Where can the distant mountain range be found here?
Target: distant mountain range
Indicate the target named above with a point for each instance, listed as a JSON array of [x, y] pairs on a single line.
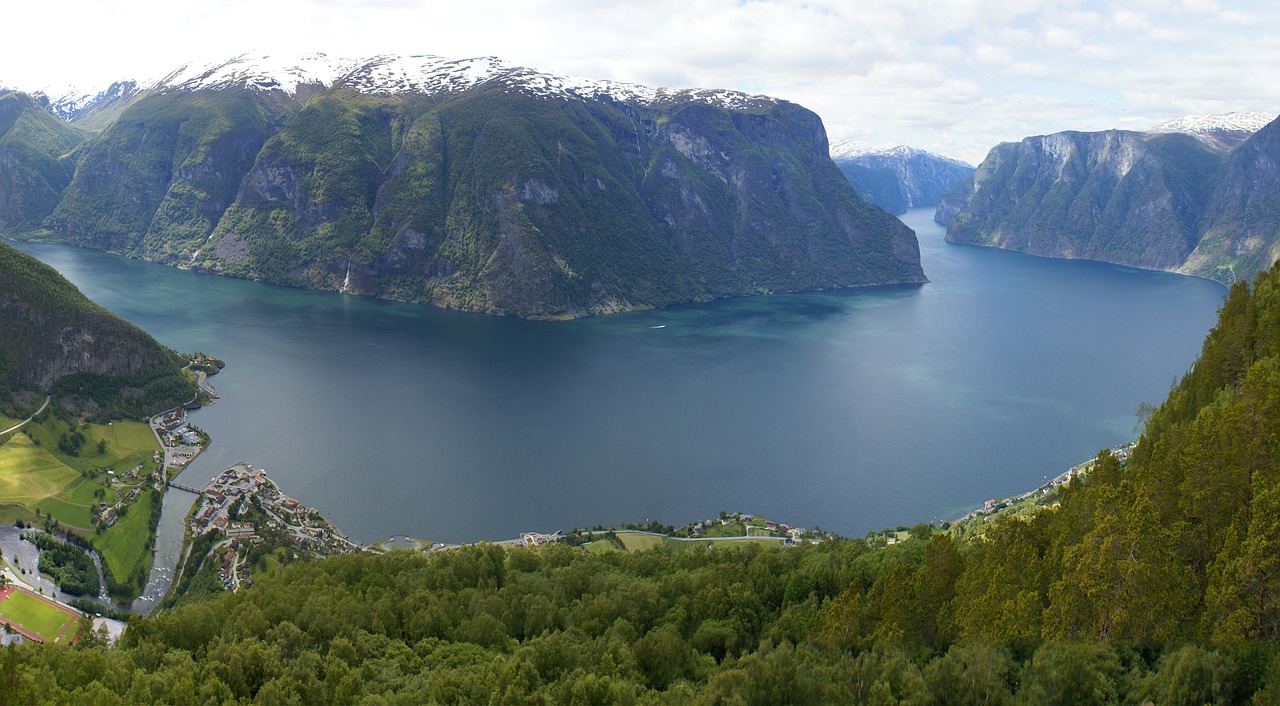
[[898, 178], [469, 184], [1199, 195]]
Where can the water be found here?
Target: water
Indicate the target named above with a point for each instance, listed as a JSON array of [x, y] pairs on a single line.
[[852, 410]]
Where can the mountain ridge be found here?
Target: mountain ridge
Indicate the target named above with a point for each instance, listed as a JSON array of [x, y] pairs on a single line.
[[472, 184]]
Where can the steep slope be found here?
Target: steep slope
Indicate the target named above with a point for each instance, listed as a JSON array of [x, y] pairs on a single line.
[[1196, 195], [159, 178], [35, 162], [1242, 225], [56, 340], [1116, 196], [898, 178], [476, 185]]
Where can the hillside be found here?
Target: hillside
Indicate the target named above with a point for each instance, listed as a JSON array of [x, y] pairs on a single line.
[[57, 341], [1192, 196], [472, 185], [1152, 580], [36, 161]]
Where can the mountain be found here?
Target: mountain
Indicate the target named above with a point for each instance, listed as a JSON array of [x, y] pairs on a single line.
[[35, 160], [1241, 233], [898, 178], [1223, 130], [1189, 196], [57, 341], [474, 185]]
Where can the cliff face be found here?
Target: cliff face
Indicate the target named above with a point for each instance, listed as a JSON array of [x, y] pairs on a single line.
[[56, 340], [1242, 220], [1166, 201], [515, 194]]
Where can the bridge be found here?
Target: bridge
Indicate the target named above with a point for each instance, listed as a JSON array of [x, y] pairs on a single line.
[[179, 486]]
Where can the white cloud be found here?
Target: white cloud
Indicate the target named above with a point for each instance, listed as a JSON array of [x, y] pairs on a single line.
[[955, 76]]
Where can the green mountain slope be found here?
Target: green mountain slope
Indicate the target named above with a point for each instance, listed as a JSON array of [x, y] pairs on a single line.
[[493, 201], [1115, 196], [36, 161], [155, 183], [497, 196], [1242, 227], [54, 340]]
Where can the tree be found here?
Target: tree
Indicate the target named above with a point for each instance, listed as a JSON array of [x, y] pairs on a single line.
[[1124, 581], [1243, 598]]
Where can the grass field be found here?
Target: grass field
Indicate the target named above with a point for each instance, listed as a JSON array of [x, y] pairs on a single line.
[[128, 443], [39, 616], [637, 541], [29, 473], [122, 546]]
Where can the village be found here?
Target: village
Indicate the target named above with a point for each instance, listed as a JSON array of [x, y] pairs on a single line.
[[249, 508]]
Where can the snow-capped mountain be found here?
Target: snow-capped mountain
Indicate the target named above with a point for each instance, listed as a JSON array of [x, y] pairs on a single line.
[[469, 183], [1220, 122], [424, 74], [897, 178], [1222, 130]]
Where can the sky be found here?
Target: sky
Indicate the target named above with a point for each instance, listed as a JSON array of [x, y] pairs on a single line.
[[955, 77]]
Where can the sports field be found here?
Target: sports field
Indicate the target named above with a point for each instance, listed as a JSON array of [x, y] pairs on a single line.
[[36, 617]]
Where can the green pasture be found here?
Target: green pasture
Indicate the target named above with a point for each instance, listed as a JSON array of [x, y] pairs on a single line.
[[122, 545], [128, 444], [29, 473]]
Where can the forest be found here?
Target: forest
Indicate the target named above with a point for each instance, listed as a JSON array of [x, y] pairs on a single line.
[[1152, 580]]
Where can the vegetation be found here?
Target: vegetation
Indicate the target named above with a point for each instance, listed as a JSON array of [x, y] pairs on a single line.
[[126, 547], [36, 149], [69, 567], [1161, 201], [93, 362]]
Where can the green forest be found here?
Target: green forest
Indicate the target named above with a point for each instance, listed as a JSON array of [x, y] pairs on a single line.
[[1153, 580]]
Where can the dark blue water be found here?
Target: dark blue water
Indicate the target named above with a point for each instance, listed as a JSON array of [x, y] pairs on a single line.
[[853, 410]]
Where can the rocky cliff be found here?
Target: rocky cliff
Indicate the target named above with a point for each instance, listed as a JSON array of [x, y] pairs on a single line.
[[1159, 200]]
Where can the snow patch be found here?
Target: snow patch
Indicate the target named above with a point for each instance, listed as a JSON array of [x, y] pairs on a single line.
[[853, 149], [1221, 122], [428, 75]]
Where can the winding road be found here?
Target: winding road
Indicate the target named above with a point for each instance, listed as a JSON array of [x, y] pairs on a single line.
[[23, 423]]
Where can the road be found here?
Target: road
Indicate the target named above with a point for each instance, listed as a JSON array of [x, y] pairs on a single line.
[[23, 423]]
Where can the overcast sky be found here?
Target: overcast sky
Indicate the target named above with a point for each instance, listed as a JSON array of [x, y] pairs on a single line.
[[951, 76]]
